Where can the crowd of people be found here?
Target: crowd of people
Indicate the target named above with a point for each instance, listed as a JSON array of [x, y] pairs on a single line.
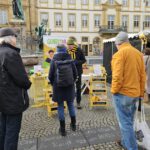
[[129, 71]]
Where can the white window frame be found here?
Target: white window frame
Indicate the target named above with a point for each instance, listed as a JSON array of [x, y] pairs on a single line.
[[71, 20], [58, 20], [97, 2], [44, 16], [147, 3], [111, 21], [3, 17], [85, 2], [43, 1], [111, 2], [147, 22], [72, 2], [136, 22], [137, 3], [58, 1], [84, 20], [125, 3], [97, 20], [124, 20]]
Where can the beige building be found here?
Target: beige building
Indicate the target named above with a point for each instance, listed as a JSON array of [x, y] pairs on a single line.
[[91, 21], [88, 21]]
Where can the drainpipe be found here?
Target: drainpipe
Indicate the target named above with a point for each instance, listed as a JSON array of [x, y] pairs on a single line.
[[29, 1]]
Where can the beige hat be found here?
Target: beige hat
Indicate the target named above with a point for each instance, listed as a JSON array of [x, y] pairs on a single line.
[[122, 37]]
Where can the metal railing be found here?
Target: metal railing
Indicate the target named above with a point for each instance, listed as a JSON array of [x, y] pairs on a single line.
[[112, 29]]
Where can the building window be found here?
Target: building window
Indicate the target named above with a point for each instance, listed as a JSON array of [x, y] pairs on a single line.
[[97, 2], [136, 21], [84, 2], [43, 17], [147, 3], [147, 21], [84, 21], [72, 2], [72, 20], [137, 3], [3, 17], [111, 20], [58, 20], [125, 3], [58, 1], [43, 1], [97, 20], [84, 39], [124, 21], [111, 2]]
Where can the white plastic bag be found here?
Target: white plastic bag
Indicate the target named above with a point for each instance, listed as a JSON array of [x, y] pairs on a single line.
[[142, 130]]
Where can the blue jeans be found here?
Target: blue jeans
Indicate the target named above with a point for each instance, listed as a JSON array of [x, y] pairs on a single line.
[[125, 109], [9, 131], [61, 109]]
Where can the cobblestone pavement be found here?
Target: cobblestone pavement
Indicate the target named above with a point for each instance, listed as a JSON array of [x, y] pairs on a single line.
[[36, 123]]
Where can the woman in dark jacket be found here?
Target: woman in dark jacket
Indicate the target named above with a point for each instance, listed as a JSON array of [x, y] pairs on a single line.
[[14, 83], [61, 94]]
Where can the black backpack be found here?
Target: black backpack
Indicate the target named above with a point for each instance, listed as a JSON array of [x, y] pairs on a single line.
[[64, 73]]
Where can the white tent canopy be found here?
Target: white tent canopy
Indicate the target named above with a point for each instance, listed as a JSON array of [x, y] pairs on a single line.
[[132, 35]]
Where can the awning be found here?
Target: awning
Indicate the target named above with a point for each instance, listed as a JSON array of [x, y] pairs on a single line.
[[132, 35]]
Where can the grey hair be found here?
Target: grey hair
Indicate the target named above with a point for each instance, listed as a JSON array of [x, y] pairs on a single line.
[[6, 39]]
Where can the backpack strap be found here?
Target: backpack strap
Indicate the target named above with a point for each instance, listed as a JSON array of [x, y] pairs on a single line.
[[146, 63]]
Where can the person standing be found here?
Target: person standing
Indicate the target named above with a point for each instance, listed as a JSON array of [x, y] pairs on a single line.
[[79, 59], [62, 76], [128, 82], [14, 83], [51, 55], [147, 68]]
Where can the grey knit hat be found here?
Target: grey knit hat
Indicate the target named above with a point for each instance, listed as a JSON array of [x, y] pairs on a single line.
[[121, 38], [7, 32]]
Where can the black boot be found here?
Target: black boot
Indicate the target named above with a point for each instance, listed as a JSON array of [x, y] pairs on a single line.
[[79, 106], [73, 123], [62, 128]]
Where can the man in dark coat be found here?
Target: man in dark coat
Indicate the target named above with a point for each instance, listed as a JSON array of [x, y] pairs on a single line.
[[79, 59], [61, 94], [14, 83]]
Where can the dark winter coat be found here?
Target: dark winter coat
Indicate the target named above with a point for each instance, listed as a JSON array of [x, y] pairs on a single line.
[[14, 81], [80, 59], [61, 93]]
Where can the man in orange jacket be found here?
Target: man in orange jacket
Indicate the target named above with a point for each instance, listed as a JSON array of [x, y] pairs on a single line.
[[128, 81]]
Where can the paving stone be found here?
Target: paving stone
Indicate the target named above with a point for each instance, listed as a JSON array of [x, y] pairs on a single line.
[[36, 124]]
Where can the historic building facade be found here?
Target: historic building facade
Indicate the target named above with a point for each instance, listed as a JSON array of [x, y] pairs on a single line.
[[7, 18], [87, 21], [91, 21]]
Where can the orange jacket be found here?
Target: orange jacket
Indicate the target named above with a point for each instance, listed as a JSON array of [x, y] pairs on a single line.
[[128, 72]]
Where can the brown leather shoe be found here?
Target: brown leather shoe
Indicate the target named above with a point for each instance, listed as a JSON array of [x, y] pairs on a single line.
[[120, 144]]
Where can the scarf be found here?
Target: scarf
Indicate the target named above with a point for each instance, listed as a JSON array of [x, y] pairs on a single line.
[[72, 52]]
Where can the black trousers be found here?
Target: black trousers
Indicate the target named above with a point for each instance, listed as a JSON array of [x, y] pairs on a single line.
[[78, 88], [9, 131]]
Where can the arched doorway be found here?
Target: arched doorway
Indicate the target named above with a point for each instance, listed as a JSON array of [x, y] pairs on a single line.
[[96, 46]]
